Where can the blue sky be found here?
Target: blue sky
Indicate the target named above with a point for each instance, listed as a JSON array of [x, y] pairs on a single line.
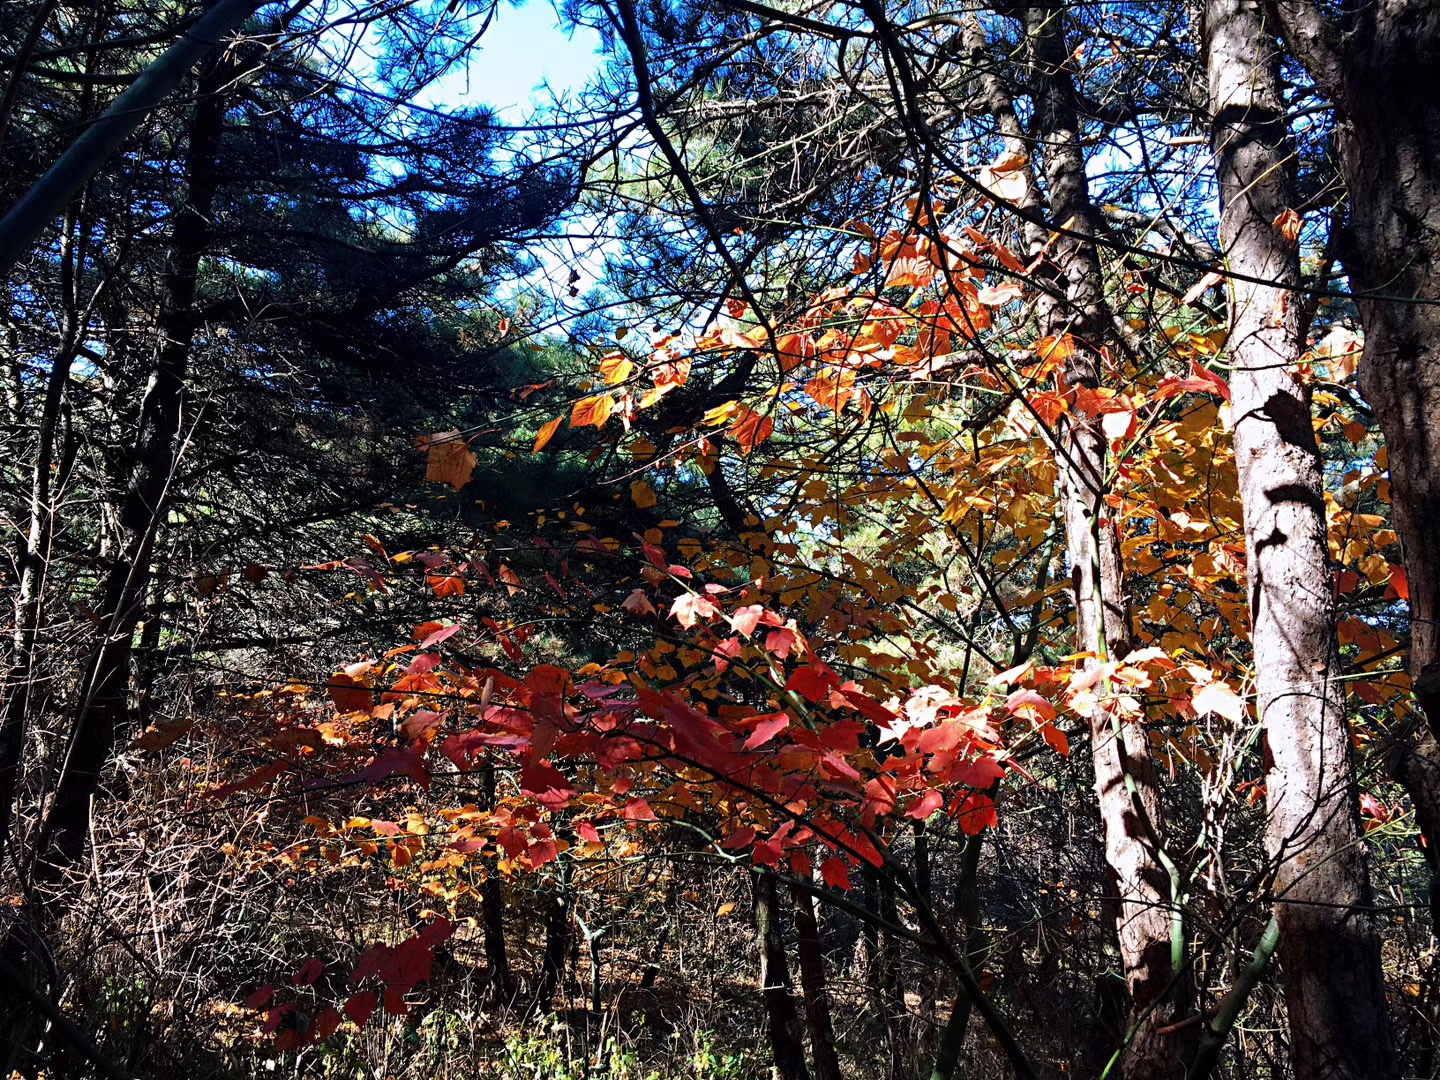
[[523, 49]]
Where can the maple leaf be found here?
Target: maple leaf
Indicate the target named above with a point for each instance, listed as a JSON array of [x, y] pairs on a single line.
[[794, 350], [1199, 381], [360, 1007], [751, 428], [1399, 588], [812, 681], [976, 814], [326, 1024], [1000, 295], [348, 694], [689, 608], [445, 585], [1289, 223], [638, 810], [767, 729], [637, 603], [835, 873], [926, 805], [746, 619]]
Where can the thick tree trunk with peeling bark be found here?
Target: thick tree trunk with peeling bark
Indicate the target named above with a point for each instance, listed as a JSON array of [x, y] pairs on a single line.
[[1125, 781], [1329, 951]]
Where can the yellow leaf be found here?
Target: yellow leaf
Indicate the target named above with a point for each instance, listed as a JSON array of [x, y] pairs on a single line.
[[724, 909], [642, 494], [616, 367]]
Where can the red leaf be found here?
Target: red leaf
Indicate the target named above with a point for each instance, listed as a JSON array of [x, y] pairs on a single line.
[[926, 805], [395, 1001], [360, 1007], [638, 810], [835, 873], [442, 634], [348, 694], [767, 729], [637, 603], [976, 814], [746, 619], [726, 651], [588, 832], [326, 1024], [311, 970], [547, 785], [813, 681], [275, 1016], [258, 999], [1399, 584], [766, 853], [689, 608]]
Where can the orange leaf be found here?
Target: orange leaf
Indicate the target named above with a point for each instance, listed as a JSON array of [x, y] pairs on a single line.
[[546, 433], [445, 585], [1399, 584], [449, 460], [642, 494], [751, 428], [592, 411], [1289, 223], [616, 367]]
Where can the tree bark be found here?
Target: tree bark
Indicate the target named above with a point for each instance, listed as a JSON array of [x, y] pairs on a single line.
[[557, 946], [1125, 782], [1380, 73], [101, 708], [1328, 948], [787, 1043], [813, 986]]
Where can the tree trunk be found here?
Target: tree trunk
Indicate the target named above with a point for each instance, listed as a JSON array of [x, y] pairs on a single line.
[[492, 910], [557, 941], [786, 1041], [101, 707], [1328, 948], [1125, 782], [813, 986], [1389, 150], [47, 479], [892, 993]]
